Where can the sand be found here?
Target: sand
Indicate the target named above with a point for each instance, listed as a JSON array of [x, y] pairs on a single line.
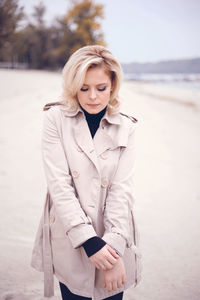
[[167, 181]]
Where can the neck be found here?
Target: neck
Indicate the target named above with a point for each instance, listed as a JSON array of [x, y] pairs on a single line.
[[99, 114], [93, 120]]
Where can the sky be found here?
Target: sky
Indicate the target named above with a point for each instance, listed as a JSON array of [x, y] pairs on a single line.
[[142, 30]]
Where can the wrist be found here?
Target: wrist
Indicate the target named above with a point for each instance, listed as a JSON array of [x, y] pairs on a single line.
[[93, 245]]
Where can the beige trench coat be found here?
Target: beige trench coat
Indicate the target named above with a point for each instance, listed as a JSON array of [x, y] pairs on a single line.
[[89, 192]]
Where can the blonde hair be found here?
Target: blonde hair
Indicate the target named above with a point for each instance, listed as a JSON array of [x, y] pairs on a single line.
[[75, 70]]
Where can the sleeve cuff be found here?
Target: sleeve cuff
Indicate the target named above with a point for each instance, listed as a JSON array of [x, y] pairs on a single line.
[[116, 241], [81, 233]]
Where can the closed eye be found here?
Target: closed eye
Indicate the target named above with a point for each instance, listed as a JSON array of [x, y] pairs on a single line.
[[99, 89], [102, 89], [84, 90]]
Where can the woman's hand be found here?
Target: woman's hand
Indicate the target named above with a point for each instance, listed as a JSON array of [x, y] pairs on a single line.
[[105, 258], [116, 277]]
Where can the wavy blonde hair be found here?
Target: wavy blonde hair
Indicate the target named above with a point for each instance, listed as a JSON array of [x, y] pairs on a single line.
[[75, 70]]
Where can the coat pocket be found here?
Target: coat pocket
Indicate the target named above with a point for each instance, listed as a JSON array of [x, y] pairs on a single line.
[[56, 227]]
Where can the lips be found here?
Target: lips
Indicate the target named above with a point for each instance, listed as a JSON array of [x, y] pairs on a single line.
[[93, 105]]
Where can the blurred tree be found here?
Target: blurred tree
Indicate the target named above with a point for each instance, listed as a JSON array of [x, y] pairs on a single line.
[[38, 14], [60, 43], [31, 42], [38, 35], [48, 47], [83, 20], [10, 15]]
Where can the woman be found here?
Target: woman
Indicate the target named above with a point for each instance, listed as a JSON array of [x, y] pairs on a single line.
[[87, 235]]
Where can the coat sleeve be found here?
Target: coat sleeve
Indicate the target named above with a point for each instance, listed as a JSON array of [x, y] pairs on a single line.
[[77, 224], [120, 199]]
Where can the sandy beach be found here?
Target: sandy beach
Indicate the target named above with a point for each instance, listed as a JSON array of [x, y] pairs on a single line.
[[167, 182]]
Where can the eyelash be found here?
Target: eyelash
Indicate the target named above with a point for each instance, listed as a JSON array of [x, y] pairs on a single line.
[[100, 90]]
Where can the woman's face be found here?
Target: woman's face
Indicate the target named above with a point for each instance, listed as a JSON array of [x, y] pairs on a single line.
[[95, 92]]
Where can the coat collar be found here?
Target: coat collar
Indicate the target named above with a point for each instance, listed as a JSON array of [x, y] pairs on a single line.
[[112, 119]]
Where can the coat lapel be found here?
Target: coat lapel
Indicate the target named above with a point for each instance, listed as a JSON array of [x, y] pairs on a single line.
[[85, 142], [109, 137], [103, 140]]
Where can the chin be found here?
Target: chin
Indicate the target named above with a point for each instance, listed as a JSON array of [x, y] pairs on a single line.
[[94, 110]]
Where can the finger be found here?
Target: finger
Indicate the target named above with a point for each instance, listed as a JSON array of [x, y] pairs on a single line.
[[113, 252], [111, 260], [102, 267], [124, 278], [108, 261], [98, 264], [119, 284], [94, 263], [109, 286], [108, 266], [114, 285], [94, 260]]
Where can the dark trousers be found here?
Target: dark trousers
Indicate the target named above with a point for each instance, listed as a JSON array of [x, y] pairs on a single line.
[[67, 295]]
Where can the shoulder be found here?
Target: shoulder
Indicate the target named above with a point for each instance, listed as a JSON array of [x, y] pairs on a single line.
[[53, 108], [52, 112], [60, 109], [51, 105], [128, 122], [134, 120], [124, 132]]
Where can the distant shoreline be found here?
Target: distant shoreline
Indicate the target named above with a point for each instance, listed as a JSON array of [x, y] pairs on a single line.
[[163, 77], [186, 94]]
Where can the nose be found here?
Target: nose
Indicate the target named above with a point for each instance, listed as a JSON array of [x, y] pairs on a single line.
[[93, 94]]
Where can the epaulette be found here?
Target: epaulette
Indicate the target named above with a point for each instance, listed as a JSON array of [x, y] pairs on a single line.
[[134, 120], [48, 105]]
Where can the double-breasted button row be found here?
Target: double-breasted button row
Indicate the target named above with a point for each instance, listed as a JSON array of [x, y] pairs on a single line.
[[75, 174], [104, 181]]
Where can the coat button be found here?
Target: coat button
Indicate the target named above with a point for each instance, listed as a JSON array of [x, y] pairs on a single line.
[[75, 174], [104, 183], [104, 155], [52, 219]]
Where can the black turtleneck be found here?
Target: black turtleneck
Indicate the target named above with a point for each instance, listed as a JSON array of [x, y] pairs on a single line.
[[93, 120], [95, 243]]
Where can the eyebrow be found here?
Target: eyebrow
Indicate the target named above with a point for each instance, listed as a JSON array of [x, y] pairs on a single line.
[[104, 83]]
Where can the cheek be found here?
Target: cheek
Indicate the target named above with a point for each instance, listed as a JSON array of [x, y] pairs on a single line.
[[80, 97], [106, 96]]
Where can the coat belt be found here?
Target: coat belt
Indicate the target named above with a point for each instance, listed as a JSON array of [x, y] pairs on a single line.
[[47, 252]]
